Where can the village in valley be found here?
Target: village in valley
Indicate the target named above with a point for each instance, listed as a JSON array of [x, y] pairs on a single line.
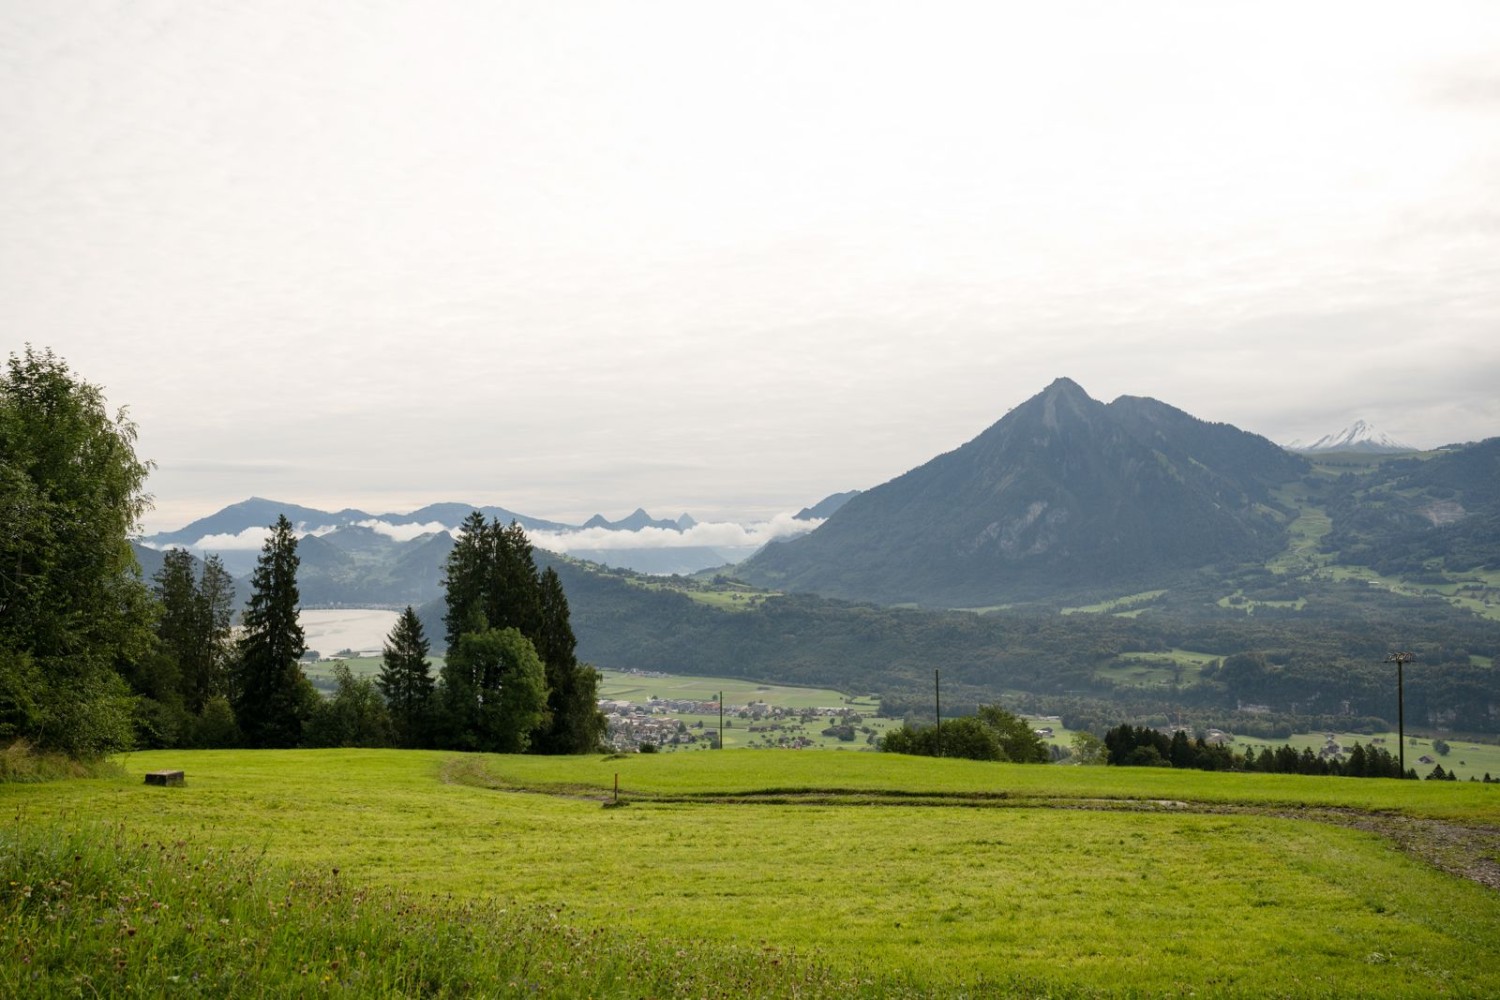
[[651, 711]]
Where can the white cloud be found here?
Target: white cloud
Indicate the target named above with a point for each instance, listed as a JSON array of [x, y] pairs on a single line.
[[403, 532], [708, 534], [248, 540]]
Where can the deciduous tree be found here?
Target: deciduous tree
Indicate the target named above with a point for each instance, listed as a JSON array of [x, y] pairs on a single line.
[[73, 609], [495, 691]]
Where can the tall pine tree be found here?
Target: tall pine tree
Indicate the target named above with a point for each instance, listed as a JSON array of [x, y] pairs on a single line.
[[464, 580], [405, 680], [576, 724], [273, 697], [196, 613]]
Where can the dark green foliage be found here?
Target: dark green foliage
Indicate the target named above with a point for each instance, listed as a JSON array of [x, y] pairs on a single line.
[[491, 576], [406, 679], [215, 726], [1142, 746], [72, 606], [1019, 741], [196, 614], [494, 691], [273, 698], [964, 737], [992, 734], [492, 585], [353, 716], [464, 577], [577, 725]]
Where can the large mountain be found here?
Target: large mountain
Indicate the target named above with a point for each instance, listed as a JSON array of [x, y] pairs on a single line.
[[1063, 493]]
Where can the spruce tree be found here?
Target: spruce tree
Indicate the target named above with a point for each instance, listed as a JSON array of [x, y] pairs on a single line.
[[194, 627], [512, 588], [464, 579], [577, 725], [273, 696], [405, 680]]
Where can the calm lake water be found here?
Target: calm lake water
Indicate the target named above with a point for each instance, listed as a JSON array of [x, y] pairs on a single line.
[[359, 629]]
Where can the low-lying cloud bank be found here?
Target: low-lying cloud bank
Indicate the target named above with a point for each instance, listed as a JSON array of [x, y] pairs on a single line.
[[707, 534], [404, 532]]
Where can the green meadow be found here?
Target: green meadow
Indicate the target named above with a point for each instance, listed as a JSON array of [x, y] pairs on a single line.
[[744, 872]]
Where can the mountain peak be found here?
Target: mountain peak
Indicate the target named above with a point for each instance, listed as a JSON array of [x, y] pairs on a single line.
[[1063, 384], [1359, 436], [1062, 402]]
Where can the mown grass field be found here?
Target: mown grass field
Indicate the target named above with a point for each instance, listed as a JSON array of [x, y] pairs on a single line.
[[936, 874]]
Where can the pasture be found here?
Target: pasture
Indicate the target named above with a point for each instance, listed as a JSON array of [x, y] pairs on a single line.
[[942, 877]]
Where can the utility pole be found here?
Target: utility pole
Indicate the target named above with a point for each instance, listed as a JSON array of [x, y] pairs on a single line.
[[937, 705], [1401, 660], [721, 720]]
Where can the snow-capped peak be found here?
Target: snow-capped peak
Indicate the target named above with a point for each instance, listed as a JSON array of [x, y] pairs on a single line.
[[1358, 436]]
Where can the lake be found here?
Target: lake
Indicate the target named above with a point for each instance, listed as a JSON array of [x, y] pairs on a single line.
[[360, 629]]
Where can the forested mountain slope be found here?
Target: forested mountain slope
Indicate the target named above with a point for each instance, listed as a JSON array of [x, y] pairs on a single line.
[[1063, 493]]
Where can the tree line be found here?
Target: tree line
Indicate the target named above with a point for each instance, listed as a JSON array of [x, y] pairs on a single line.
[[93, 660], [1142, 746]]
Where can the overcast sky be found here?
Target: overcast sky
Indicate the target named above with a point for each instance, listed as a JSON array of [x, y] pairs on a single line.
[[724, 258]]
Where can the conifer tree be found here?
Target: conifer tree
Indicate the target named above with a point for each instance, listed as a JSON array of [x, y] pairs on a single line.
[[512, 592], [577, 725], [196, 612], [491, 583], [405, 680], [273, 696], [464, 579]]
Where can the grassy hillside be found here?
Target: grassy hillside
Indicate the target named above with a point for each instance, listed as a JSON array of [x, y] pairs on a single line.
[[928, 875]]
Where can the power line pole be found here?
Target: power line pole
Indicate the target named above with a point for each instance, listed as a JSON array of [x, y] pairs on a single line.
[[721, 720], [937, 705], [1401, 660]]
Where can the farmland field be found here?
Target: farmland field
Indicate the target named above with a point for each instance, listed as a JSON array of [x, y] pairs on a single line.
[[937, 873]]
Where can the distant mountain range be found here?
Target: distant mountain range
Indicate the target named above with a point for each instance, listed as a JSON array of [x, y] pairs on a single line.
[[258, 512], [351, 556], [1359, 437]]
